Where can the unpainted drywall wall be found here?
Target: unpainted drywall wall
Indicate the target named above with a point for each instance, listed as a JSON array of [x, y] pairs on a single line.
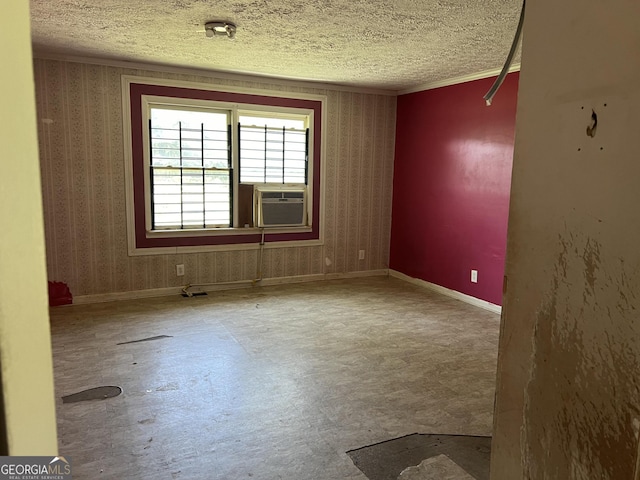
[[25, 343], [568, 391]]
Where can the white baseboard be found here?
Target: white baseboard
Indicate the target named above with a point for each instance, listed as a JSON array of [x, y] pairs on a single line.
[[265, 282], [111, 297], [360, 274], [163, 292], [448, 292]]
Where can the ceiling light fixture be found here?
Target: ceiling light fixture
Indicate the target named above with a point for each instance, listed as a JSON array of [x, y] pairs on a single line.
[[212, 29]]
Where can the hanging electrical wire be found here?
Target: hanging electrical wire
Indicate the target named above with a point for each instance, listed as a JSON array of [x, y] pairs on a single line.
[[507, 64]]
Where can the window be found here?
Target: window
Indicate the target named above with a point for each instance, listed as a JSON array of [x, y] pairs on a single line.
[[273, 150], [195, 152], [190, 168], [192, 162]]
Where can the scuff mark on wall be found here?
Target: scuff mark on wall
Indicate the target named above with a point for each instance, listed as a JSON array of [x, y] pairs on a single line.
[[591, 259], [582, 399]]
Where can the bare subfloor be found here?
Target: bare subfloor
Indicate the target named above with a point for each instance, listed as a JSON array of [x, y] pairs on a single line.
[[268, 383]]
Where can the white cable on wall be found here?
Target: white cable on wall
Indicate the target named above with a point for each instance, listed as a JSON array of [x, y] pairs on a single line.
[[188, 293]]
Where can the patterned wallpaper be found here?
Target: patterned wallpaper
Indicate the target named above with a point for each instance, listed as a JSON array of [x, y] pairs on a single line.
[[81, 151]]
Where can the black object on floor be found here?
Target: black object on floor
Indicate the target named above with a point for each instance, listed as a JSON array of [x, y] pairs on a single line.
[[387, 460], [146, 339], [97, 393]]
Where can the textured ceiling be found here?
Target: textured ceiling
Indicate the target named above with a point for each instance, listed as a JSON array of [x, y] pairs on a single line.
[[390, 44]]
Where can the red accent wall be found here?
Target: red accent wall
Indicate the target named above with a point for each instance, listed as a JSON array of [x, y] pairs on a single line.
[[452, 178]]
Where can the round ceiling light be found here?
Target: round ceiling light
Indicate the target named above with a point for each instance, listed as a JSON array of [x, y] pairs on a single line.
[[212, 29]]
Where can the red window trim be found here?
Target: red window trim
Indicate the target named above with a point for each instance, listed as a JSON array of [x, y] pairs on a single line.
[[137, 90]]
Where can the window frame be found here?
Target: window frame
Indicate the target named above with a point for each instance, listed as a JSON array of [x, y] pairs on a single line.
[[141, 241], [149, 102], [284, 114]]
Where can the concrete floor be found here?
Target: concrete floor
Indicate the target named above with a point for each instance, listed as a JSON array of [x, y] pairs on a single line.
[[269, 383]]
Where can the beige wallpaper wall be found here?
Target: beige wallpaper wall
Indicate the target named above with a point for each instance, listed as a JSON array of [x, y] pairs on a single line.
[[81, 151]]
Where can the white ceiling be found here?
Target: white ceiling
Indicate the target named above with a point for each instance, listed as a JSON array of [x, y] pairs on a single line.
[[388, 44]]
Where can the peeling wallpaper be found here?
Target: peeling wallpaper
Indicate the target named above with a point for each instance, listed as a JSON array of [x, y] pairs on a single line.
[[83, 182], [594, 344]]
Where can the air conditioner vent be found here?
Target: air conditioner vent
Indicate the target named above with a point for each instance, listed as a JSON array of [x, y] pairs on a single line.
[[280, 205]]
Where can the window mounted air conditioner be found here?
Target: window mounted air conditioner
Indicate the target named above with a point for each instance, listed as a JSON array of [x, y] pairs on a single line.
[[281, 205]]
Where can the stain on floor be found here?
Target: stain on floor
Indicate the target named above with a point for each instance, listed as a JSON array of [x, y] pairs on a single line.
[[97, 393]]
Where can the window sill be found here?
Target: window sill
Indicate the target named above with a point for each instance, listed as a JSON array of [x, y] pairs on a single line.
[[211, 232], [135, 252]]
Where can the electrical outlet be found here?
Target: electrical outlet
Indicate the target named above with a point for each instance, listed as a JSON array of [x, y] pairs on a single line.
[[361, 255], [474, 276], [180, 270]]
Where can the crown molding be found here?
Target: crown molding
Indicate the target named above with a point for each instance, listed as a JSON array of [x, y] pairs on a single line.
[[456, 80], [239, 76]]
